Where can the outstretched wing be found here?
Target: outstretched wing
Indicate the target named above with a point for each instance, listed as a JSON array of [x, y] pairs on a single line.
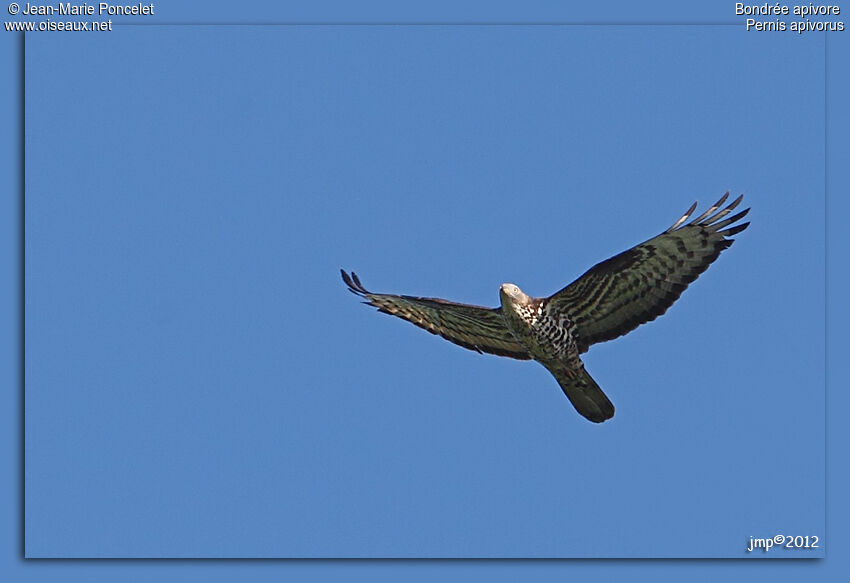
[[473, 327], [638, 285]]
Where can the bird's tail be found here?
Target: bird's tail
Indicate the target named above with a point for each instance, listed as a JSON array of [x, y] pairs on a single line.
[[583, 392]]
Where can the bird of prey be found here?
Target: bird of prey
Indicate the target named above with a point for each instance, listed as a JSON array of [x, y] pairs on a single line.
[[609, 300]]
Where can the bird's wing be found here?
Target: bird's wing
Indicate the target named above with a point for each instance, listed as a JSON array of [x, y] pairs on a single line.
[[638, 285], [474, 327]]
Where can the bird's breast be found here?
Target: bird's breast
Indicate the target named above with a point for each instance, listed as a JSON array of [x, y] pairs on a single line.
[[544, 335]]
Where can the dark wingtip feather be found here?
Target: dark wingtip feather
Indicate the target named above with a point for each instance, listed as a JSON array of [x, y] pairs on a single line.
[[682, 219], [346, 279], [736, 202], [735, 230], [708, 216], [717, 226], [353, 283], [740, 215], [710, 210]]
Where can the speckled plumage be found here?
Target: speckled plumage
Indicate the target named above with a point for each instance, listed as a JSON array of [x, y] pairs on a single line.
[[609, 300]]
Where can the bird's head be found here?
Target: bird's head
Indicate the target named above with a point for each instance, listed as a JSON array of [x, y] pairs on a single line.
[[511, 295]]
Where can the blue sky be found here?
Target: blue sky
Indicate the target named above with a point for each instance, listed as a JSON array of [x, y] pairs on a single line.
[[199, 383]]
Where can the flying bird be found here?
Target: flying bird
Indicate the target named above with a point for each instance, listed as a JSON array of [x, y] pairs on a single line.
[[609, 300]]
